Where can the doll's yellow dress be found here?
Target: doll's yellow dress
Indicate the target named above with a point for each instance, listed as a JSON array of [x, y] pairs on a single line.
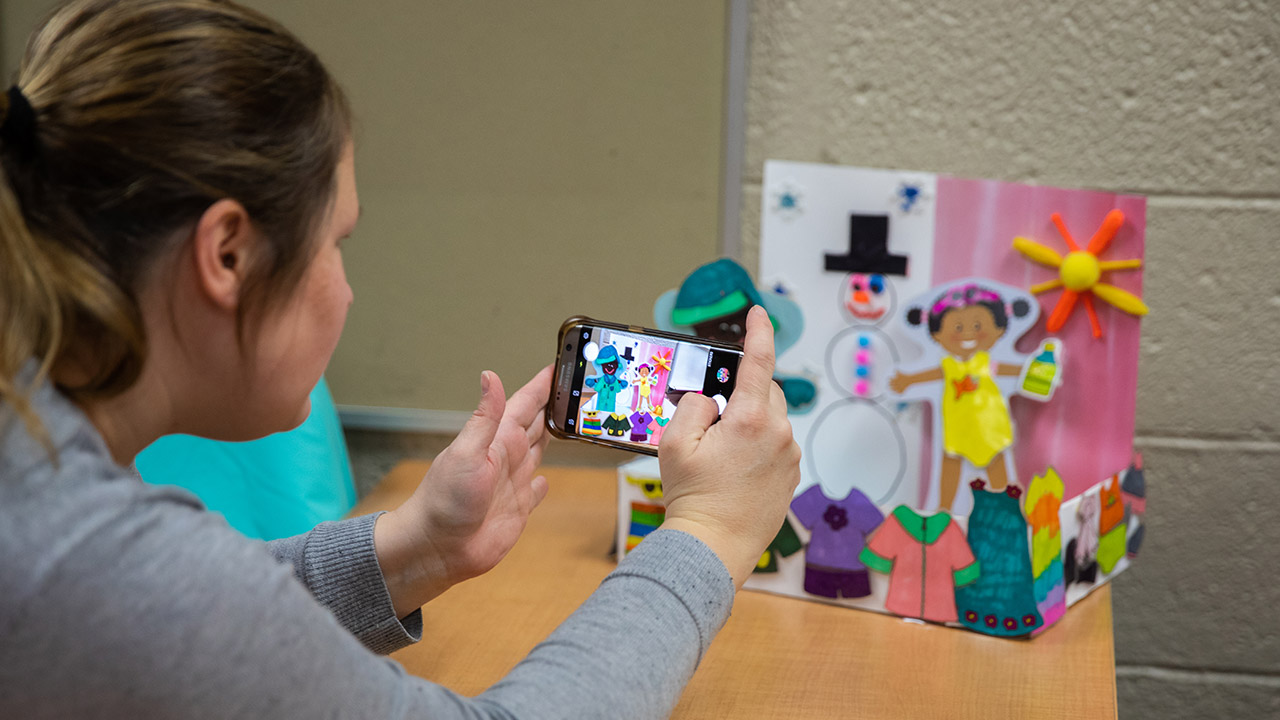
[[975, 416]]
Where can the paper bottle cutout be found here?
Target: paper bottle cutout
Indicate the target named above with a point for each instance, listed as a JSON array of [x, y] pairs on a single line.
[[1081, 555], [1080, 270], [645, 518], [926, 559], [785, 544], [839, 533], [1043, 501], [713, 303], [1112, 528], [1002, 601], [1134, 490], [1042, 374], [968, 320], [609, 382], [868, 249]]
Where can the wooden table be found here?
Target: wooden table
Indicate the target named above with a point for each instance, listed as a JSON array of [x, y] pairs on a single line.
[[776, 657]]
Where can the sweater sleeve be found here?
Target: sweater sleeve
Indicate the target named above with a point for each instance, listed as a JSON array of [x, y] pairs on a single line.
[[158, 610], [336, 562]]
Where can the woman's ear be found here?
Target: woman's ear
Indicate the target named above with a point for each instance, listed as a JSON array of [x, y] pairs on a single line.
[[221, 244]]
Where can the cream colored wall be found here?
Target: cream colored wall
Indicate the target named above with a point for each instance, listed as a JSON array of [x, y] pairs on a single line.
[[518, 163], [17, 18], [1175, 99]]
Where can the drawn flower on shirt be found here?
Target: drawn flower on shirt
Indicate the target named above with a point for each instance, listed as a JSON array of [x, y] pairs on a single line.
[[836, 517]]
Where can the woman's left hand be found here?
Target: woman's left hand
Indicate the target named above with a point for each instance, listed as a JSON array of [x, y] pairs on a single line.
[[471, 507]]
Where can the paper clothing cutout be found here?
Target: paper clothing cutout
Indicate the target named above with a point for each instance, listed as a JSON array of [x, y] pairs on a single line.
[[926, 558], [645, 518], [1043, 502], [1002, 602], [839, 532], [616, 425], [1112, 528], [785, 544]]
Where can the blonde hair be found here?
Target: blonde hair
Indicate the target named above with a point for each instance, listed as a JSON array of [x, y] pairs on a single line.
[[146, 112]]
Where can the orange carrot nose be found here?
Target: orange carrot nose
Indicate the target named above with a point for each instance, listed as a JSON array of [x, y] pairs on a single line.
[[861, 296]]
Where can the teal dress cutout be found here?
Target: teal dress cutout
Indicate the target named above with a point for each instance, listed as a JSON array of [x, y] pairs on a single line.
[[1002, 602], [277, 486]]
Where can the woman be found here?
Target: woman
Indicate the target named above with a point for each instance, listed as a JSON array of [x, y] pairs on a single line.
[[177, 179]]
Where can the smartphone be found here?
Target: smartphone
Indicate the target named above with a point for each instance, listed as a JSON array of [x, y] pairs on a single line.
[[618, 385]]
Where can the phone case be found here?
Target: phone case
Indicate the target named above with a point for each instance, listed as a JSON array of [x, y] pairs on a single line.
[[580, 320]]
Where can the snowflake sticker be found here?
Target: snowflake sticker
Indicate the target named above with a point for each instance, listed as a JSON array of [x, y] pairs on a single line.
[[787, 200], [910, 197]]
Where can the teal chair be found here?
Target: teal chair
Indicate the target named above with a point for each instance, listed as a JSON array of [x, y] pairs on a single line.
[[278, 486]]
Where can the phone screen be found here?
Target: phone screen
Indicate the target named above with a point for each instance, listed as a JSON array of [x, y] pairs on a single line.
[[626, 386]]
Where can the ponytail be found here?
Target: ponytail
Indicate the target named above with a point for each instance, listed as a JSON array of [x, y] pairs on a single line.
[[50, 295], [131, 118], [30, 319]]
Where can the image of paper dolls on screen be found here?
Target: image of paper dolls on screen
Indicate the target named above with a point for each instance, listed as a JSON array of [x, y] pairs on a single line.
[[633, 383]]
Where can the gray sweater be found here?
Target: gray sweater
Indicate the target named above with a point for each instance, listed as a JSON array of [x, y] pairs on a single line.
[[125, 600]]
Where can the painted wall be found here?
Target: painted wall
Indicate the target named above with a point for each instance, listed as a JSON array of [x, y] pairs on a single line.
[[518, 163], [1175, 100]]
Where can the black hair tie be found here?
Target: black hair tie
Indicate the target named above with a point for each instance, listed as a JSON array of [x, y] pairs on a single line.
[[18, 122]]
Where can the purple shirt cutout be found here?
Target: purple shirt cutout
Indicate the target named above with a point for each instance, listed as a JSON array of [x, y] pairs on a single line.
[[840, 527]]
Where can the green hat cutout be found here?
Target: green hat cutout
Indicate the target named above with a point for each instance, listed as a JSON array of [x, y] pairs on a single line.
[[722, 288]]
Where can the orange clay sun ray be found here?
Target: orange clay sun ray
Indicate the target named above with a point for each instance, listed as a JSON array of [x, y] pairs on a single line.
[[1080, 271]]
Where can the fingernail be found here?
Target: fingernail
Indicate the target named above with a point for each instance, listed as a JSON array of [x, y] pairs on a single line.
[[484, 383]]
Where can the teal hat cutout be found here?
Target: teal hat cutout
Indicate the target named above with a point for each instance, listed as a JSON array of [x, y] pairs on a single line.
[[607, 355], [714, 290], [721, 288]]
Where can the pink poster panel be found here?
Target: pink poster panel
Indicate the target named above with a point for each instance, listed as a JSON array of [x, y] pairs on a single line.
[[1086, 431]]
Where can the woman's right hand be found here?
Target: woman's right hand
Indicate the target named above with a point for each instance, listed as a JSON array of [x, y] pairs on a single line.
[[729, 484]]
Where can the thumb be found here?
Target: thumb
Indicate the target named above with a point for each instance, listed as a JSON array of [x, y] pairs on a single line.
[[689, 423], [482, 427]]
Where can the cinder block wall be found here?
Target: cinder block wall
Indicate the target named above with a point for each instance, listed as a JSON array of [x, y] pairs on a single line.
[[1177, 100]]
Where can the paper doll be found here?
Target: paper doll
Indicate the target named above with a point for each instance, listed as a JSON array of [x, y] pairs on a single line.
[[967, 321], [608, 383], [644, 384]]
